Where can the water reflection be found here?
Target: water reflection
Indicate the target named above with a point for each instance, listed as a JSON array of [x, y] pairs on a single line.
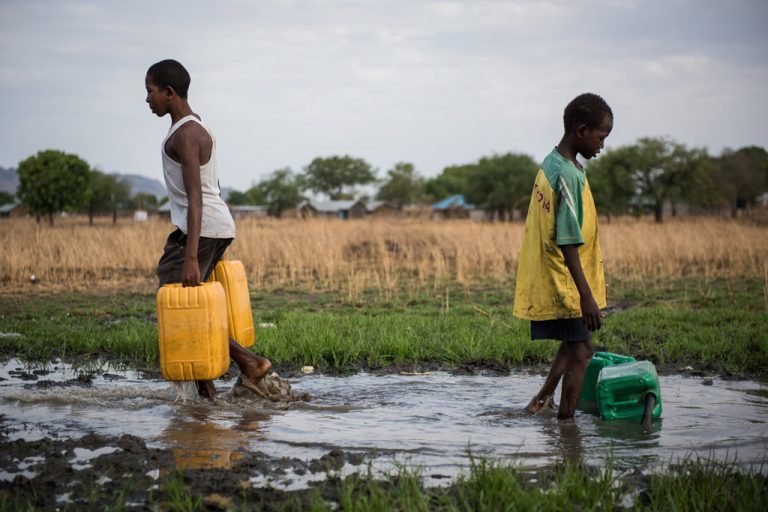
[[632, 433], [566, 438], [204, 435]]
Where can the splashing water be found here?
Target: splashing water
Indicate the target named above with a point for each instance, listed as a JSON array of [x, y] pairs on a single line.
[[186, 390]]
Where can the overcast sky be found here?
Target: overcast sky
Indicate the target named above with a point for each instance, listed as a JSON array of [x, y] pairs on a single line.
[[428, 82]]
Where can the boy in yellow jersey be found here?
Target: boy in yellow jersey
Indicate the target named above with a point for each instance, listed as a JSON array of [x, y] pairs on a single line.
[[560, 281]]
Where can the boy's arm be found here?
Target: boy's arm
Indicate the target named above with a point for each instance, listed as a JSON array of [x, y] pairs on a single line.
[[187, 142], [589, 308]]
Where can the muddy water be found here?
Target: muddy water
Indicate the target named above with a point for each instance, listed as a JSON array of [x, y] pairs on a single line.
[[430, 420]]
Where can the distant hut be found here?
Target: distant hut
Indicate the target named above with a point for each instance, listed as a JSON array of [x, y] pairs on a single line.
[[12, 210], [759, 213], [248, 211], [382, 209], [454, 207], [416, 211], [164, 210], [332, 209]]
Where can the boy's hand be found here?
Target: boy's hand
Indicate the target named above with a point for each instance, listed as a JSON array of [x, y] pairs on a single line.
[[591, 313], [190, 273]]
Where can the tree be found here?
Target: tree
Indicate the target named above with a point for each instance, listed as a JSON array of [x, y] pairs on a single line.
[[237, 198], [6, 197], [758, 158], [500, 184], [742, 176], [611, 180], [403, 185], [105, 194], [705, 190], [330, 175], [143, 201], [253, 196], [688, 167], [453, 180], [53, 181], [663, 170], [282, 190], [256, 194]]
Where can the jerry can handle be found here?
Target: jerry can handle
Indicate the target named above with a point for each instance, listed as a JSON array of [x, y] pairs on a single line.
[[649, 402], [625, 402]]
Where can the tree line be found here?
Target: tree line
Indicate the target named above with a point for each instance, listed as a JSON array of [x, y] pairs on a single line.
[[658, 171], [637, 177], [642, 176], [53, 181]]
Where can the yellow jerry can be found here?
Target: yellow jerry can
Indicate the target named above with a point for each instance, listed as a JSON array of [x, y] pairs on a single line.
[[192, 331], [231, 275]]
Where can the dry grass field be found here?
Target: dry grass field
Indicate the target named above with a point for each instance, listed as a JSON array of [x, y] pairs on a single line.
[[350, 256]]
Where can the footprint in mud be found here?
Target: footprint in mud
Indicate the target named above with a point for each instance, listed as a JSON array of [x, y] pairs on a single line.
[[272, 388]]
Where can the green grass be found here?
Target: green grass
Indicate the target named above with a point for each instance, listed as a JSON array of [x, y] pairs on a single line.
[[693, 484], [492, 485], [179, 496], [707, 484], [77, 326], [720, 325], [495, 486], [716, 325], [330, 339]]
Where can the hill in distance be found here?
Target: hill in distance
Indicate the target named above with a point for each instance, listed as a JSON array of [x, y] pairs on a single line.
[[9, 182], [142, 184], [151, 186]]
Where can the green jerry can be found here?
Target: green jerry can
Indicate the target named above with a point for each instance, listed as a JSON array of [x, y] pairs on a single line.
[[623, 390], [600, 360]]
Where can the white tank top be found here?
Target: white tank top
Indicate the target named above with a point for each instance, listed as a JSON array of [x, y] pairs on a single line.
[[217, 222]]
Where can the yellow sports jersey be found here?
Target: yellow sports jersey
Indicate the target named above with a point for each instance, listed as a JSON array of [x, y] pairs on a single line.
[[561, 212]]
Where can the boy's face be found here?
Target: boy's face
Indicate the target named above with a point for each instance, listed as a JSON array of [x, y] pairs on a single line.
[[591, 140], [157, 98]]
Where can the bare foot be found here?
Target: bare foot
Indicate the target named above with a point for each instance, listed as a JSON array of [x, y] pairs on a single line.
[[536, 404], [206, 389], [252, 367], [256, 369]]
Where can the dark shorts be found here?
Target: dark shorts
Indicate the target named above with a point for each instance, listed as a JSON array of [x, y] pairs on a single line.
[[209, 252], [568, 330]]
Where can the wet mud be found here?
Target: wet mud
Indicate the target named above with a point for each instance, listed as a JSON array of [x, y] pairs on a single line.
[[67, 472]]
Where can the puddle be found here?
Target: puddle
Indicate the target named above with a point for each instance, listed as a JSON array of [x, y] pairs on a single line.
[[431, 420]]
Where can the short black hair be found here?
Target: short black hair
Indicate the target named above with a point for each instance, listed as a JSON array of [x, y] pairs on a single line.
[[170, 73], [589, 109]]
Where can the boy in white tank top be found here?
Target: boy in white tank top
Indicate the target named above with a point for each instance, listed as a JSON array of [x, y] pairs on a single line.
[[204, 225]]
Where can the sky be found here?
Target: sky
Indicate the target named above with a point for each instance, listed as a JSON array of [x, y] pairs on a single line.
[[434, 83]]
